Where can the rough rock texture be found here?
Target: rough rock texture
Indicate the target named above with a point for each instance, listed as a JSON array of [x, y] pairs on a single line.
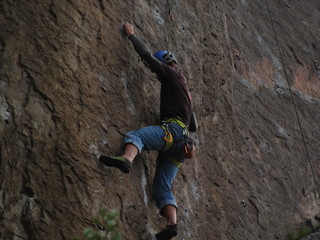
[[313, 236], [71, 85]]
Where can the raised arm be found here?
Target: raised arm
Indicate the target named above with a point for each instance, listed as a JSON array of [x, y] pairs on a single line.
[[153, 63]]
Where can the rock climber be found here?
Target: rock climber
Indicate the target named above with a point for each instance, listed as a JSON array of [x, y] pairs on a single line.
[[177, 117]]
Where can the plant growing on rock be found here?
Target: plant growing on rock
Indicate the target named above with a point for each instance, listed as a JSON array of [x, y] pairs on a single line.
[[106, 222], [305, 231]]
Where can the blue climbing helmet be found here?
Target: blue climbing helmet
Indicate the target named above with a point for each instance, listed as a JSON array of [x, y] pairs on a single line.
[[165, 56]]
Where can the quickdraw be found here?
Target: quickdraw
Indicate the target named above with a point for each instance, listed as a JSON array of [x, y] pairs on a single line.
[[167, 137]]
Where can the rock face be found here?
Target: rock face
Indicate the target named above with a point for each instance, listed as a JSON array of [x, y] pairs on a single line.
[[313, 236], [71, 86]]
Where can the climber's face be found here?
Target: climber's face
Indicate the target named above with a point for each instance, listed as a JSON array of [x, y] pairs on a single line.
[[173, 65]]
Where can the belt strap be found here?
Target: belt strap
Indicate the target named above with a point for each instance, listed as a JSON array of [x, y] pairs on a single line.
[[175, 120], [171, 159]]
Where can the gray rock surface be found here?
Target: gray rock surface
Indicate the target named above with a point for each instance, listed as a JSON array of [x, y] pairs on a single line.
[[71, 86], [313, 236]]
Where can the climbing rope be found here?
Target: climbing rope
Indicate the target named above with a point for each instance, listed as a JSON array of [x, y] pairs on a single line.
[[292, 97], [317, 66]]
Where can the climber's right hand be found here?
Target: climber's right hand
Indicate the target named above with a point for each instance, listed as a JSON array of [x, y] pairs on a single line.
[[128, 29]]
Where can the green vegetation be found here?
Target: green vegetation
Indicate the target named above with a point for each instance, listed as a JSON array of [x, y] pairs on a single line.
[[105, 221], [305, 231]]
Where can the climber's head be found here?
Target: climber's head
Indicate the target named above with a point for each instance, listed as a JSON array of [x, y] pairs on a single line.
[[165, 57]]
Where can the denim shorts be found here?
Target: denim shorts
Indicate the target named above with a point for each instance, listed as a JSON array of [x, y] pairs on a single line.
[[152, 138]]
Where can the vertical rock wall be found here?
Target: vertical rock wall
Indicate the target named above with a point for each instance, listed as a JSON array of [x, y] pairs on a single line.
[[71, 85]]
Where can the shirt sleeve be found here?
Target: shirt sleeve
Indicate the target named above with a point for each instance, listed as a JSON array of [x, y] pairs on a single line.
[[154, 64]]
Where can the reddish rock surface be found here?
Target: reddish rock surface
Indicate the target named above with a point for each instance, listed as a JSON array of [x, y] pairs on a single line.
[[71, 86]]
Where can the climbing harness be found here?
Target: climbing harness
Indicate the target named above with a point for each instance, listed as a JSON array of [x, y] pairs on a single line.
[[292, 97], [176, 121], [171, 159], [168, 144], [188, 146], [167, 137]]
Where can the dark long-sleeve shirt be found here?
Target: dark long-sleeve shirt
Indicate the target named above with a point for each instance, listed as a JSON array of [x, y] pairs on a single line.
[[175, 100]]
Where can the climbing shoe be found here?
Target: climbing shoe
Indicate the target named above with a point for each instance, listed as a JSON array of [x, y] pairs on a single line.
[[168, 232], [119, 162]]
